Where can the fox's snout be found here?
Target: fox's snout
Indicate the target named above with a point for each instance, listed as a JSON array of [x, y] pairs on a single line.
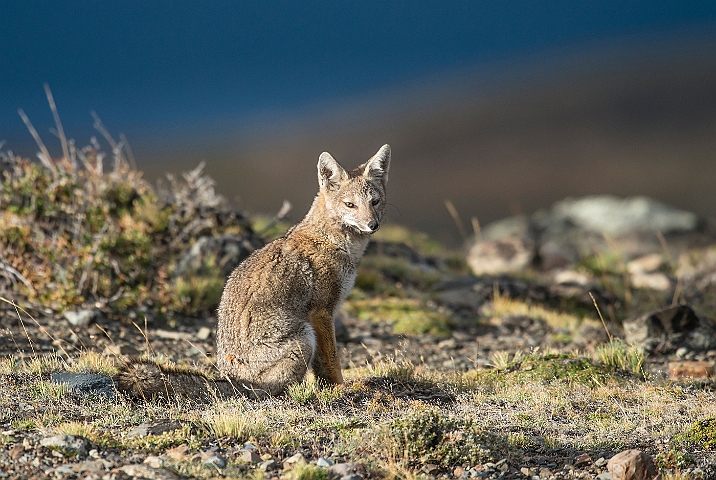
[[373, 226]]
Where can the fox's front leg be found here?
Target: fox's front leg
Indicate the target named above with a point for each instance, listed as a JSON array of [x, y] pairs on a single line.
[[327, 366]]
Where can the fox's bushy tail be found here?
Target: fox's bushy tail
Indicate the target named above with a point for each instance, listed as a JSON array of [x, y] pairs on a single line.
[[148, 380]]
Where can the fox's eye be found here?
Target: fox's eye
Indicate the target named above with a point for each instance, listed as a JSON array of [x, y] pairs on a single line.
[[350, 204], [376, 201]]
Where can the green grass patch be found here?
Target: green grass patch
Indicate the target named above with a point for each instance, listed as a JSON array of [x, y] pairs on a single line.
[[407, 316]]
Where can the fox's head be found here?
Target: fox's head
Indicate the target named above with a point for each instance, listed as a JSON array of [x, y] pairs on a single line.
[[356, 198]]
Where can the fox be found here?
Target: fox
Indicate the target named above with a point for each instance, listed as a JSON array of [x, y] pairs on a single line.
[[275, 320]]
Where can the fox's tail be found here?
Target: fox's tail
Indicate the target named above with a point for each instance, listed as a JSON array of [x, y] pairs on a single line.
[[147, 380]]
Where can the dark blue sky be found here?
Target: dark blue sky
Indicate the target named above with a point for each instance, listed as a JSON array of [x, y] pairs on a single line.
[[158, 66]]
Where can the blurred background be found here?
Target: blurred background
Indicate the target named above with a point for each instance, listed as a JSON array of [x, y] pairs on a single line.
[[500, 107]]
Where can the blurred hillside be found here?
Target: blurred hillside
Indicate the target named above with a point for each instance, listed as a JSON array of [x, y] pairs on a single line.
[[626, 123]]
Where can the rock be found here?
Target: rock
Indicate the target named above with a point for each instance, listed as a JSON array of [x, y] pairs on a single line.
[[322, 462], [71, 444], [645, 264], [250, 456], [651, 281], [617, 217], [178, 453], [267, 465], [250, 447], [545, 472], [351, 477], [154, 428], [89, 466], [147, 472], [601, 461], [663, 331], [154, 462], [572, 277], [691, 370], [496, 257], [86, 383], [604, 476], [343, 469], [297, 459], [582, 459], [632, 465], [553, 255], [217, 461], [458, 472], [204, 333], [80, 318], [16, 452]]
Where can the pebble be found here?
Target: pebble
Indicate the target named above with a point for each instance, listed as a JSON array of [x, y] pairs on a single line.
[[204, 333], [604, 476], [154, 428], [154, 462], [343, 469], [145, 471], [250, 456], [217, 461], [322, 462], [292, 461], [352, 477], [68, 443], [267, 465], [601, 461]]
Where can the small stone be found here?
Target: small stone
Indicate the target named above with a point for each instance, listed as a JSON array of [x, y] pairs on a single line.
[[68, 443], [90, 466], [604, 476], [691, 370], [250, 456], [16, 452], [154, 462], [545, 473], [267, 465], [249, 446], [343, 469], [525, 471], [458, 472], [646, 264], [601, 461], [505, 255], [204, 333], [154, 428], [651, 281], [297, 459], [178, 453], [351, 477], [217, 461], [145, 471], [322, 462], [64, 470], [582, 459], [632, 465], [81, 318]]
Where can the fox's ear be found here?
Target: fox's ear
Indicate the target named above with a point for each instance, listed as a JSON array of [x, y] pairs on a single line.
[[377, 167], [330, 173]]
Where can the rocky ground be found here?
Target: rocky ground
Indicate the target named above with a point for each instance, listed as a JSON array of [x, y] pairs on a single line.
[[491, 365]]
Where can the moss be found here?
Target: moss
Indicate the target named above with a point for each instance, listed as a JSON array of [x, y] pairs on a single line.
[[549, 368], [432, 437], [408, 316], [700, 435]]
